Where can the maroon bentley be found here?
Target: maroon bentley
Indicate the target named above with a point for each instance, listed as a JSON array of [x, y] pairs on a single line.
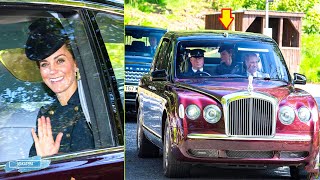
[[225, 98]]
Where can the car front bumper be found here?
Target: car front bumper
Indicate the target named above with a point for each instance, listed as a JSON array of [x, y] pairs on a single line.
[[295, 151]]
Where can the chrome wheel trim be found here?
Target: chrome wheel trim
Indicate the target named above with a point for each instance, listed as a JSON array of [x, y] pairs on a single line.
[[139, 130], [167, 136]]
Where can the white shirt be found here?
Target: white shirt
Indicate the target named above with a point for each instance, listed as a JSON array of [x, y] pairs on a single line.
[[258, 74], [194, 70]]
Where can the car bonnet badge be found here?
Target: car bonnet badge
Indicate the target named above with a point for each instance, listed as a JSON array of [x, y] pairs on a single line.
[[250, 86]]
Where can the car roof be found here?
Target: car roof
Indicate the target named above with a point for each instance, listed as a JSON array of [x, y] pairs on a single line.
[[144, 28], [216, 34]]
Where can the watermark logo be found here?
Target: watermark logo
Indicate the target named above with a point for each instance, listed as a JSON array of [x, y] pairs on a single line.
[[26, 165]]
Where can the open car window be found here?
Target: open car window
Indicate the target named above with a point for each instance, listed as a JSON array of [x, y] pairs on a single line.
[[111, 28], [269, 63], [23, 93]]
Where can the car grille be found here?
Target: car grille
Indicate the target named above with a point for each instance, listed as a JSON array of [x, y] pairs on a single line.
[[134, 76], [250, 154], [250, 117]]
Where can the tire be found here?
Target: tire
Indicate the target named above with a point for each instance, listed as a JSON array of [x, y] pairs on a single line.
[[294, 172], [312, 176], [171, 167], [145, 148]]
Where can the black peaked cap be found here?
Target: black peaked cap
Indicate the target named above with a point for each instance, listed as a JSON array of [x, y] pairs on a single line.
[[197, 53]]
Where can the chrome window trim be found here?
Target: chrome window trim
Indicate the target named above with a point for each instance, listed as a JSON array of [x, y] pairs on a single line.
[[151, 131], [225, 101]]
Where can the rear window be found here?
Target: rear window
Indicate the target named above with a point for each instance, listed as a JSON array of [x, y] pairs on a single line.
[[140, 42]]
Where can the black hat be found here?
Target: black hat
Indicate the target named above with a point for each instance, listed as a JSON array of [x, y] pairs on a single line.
[[197, 53], [226, 47], [46, 36]]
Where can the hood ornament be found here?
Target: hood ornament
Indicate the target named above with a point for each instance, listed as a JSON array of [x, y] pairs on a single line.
[[250, 86]]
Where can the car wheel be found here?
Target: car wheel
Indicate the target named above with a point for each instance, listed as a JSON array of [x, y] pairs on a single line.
[[312, 176], [294, 172], [144, 147], [172, 167]]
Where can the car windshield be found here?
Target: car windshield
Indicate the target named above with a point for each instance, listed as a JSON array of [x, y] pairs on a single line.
[[139, 42], [233, 59]]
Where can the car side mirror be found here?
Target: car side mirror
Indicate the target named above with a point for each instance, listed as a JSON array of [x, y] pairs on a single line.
[[299, 78], [159, 75]]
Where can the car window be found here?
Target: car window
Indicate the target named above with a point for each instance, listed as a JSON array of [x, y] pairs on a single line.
[[162, 59], [111, 28], [268, 61], [140, 42], [24, 95]]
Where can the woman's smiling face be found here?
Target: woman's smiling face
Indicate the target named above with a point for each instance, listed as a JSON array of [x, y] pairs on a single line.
[[58, 71]]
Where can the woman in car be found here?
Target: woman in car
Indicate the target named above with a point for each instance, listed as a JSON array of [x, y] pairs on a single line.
[[48, 45]]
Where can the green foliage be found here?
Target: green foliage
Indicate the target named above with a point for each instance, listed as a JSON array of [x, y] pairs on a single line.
[[219, 4], [311, 24], [254, 4], [147, 5], [116, 55], [310, 65]]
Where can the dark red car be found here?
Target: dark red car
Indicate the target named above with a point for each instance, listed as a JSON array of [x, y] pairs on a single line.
[[96, 32], [250, 115]]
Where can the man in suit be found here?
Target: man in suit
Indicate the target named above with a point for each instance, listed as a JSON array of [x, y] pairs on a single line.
[[153, 44], [197, 61], [252, 63]]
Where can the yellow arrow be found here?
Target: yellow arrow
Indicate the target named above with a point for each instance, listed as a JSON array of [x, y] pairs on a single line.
[[226, 17]]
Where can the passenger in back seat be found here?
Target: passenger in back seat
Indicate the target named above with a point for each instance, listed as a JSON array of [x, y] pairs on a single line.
[[48, 45], [227, 65]]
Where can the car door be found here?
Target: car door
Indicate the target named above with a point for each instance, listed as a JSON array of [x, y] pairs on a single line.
[[154, 96], [22, 92]]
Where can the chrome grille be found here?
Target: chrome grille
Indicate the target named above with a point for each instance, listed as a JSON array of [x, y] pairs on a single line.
[[250, 117], [134, 76]]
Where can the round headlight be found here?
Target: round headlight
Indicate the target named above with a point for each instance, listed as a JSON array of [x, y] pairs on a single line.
[[286, 115], [304, 114], [193, 112], [181, 111], [212, 113]]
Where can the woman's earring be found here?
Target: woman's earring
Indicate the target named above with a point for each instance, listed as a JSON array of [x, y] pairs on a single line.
[[78, 77]]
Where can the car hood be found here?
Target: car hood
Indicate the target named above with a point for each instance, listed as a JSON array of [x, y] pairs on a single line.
[[219, 87]]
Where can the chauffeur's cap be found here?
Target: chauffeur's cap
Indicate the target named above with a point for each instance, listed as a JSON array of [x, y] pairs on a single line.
[[197, 53], [46, 36]]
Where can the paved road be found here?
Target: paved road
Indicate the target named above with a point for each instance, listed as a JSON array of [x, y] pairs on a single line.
[[151, 168]]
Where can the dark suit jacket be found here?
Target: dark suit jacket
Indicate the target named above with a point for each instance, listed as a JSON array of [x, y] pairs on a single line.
[[69, 120]]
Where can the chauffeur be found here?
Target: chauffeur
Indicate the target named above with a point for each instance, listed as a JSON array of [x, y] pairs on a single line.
[[64, 119], [197, 61]]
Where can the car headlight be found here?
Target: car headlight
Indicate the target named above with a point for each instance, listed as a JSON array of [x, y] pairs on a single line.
[[286, 115], [212, 113], [193, 112], [304, 114], [181, 111]]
